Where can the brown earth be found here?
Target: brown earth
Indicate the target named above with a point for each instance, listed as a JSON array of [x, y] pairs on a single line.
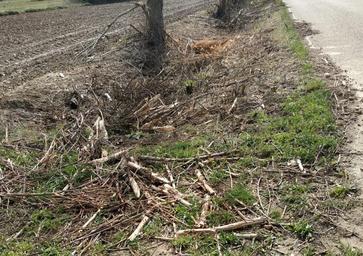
[[36, 43]]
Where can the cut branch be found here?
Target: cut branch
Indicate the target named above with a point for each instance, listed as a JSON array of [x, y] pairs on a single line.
[[229, 227], [137, 231]]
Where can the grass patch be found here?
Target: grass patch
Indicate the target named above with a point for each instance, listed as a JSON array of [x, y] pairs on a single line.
[[24, 159], [295, 194], [178, 149], [188, 214], [305, 127], [302, 229], [220, 217], [339, 191], [348, 250], [239, 193]]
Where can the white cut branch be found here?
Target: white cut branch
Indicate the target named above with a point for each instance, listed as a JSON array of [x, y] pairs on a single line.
[[229, 227], [204, 182], [137, 231]]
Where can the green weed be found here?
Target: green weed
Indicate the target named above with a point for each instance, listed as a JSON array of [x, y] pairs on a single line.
[[339, 191], [239, 193], [302, 229], [348, 250], [179, 149]]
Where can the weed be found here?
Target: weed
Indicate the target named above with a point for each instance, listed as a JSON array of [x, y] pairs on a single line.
[[217, 176], [339, 191], [154, 227], [25, 158], [239, 193], [183, 242], [228, 238], [53, 249], [220, 217], [119, 236], [45, 220], [15, 248], [295, 194], [179, 149], [308, 251], [302, 229], [189, 86], [276, 214], [348, 250], [188, 214]]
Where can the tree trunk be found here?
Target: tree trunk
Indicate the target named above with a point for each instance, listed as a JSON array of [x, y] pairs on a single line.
[[222, 9], [227, 7], [155, 24], [155, 35]]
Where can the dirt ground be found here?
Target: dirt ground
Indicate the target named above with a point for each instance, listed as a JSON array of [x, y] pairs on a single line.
[[65, 117], [36, 43]]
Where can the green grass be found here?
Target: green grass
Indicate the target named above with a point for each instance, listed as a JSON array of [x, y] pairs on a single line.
[[178, 149], [302, 229], [239, 193], [19, 6], [305, 127], [348, 250], [339, 191], [25, 247]]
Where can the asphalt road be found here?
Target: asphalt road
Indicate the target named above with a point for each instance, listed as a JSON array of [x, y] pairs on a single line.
[[340, 23]]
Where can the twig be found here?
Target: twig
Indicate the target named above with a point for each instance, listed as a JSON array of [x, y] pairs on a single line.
[[246, 235], [8, 195], [299, 163], [170, 174], [229, 227], [90, 219], [232, 107], [113, 157], [6, 140], [174, 193], [46, 156], [201, 157], [92, 46], [258, 194], [137, 231]]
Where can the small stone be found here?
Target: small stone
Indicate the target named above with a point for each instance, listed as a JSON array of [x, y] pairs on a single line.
[[327, 75]]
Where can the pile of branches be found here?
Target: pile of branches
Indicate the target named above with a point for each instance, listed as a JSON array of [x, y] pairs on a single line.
[[124, 187]]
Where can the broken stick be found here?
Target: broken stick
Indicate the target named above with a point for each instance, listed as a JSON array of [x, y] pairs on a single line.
[[110, 158], [206, 207], [228, 227], [137, 231], [204, 182]]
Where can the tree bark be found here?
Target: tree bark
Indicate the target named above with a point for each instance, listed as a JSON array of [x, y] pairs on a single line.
[[226, 7], [155, 24]]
